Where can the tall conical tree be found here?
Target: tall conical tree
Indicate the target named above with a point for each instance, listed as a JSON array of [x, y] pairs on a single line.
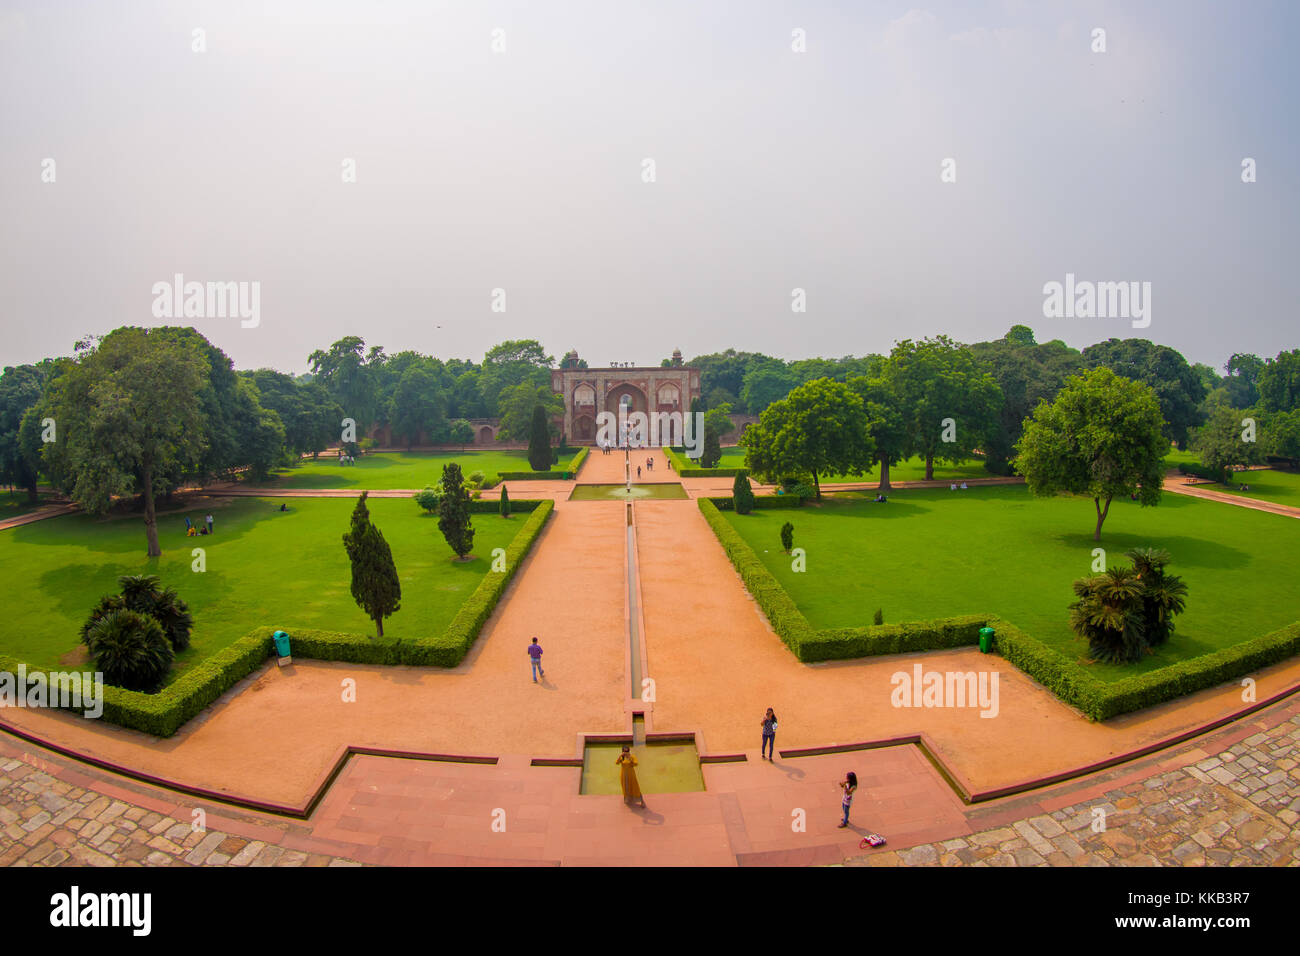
[[453, 511], [505, 503], [742, 494], [375, 585], [539, 441]]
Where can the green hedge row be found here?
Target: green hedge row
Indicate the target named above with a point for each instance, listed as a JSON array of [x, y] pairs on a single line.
[[528, 476], [165, 712], [761, 502], [491, 506], [576, 461], [1065, 678], [1198, 470]]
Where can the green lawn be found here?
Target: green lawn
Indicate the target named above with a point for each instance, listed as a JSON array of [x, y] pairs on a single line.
[[935, 553], [911, 470], [384, 471], [1282, 487], [264, 567]]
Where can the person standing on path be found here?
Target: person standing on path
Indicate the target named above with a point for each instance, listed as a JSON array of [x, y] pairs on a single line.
[[850, 786], [638, 471], [535, 652], [208, 519], [769, 736], [627, 777]]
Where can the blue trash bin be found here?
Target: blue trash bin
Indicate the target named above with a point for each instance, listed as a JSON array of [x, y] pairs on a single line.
[[281, 643]]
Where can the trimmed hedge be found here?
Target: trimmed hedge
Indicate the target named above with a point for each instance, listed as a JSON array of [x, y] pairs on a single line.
[[1067, 679], [492, 507], [769, 502], [1197, 470], [576, 461], [165, 712], [683, 467], [527, 476]]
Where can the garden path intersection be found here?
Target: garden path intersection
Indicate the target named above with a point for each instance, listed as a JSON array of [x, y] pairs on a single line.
[[1228, 796]]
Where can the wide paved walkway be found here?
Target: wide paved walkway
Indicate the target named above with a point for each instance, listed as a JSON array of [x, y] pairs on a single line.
[[716, 665]]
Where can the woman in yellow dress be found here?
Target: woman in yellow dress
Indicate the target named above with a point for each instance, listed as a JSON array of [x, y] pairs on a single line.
[[627, 777]]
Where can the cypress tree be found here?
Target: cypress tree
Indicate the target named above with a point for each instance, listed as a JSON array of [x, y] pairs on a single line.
[[712, 448], [539, 441], [742, 494], [505, 503], [453, 511], [375, 585]]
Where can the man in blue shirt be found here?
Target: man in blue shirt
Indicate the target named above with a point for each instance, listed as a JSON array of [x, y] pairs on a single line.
[[535, 652]]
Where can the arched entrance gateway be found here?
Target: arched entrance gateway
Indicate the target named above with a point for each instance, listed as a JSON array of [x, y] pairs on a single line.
[[647, 389]]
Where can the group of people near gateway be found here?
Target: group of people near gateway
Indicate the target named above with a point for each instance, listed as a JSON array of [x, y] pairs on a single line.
[[627, 762]]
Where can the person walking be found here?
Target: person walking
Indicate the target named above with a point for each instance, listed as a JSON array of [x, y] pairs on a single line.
[[638, 471], [850, 786], [208, 519], [627, 777], [769, 736], [535, 653]]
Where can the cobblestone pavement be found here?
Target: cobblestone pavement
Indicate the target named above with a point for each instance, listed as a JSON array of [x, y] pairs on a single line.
[[1236, 808], [47, 822]]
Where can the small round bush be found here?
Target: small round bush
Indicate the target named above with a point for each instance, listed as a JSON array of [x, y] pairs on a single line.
[[130, 650]]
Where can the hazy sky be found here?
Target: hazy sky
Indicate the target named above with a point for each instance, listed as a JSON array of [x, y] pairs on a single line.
[[523, 170]]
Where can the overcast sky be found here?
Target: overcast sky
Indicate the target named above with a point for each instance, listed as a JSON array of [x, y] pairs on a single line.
[[523, 170]]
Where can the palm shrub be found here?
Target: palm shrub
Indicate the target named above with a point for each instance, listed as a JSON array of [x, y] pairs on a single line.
[[130, 650], [1108, 614], [1163, 595], [742, 494], [141, 593]]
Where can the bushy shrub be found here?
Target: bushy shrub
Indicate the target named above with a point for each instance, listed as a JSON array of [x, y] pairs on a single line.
[[803, 491], [427, 499], [130, 649], [787, 537]]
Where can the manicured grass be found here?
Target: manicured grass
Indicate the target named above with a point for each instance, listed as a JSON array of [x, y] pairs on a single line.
[[264, 567], [933, 553], [1282, 487], [382, 471]]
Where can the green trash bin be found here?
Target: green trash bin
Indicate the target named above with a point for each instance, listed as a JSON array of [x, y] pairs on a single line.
[[281, 643], [986, 639]]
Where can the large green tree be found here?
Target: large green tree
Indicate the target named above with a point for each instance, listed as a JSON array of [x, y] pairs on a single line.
[[1101, 437], [510, 363], [1220, 446], [820, 428], [518, 406], [344, 372], [376, 587], [950, 404], [128, 415], [1279, 383], [888, 422], [1177, 387], [418, 405], [20, 389]]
